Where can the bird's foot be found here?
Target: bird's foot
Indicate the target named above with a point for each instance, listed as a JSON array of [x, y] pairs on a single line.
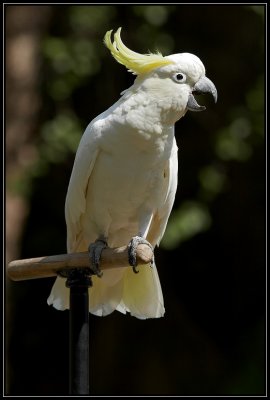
[[132, 249], [95, 250]]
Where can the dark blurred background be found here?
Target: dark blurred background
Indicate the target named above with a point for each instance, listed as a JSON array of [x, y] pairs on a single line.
[[211, 262]]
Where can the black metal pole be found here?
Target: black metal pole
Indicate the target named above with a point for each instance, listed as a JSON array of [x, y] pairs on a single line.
[[79, 280]]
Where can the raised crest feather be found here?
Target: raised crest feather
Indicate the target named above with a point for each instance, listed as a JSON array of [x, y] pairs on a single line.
[[135, 62]]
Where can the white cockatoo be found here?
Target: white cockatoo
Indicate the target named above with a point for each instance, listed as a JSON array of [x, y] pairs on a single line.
[[124, 178]]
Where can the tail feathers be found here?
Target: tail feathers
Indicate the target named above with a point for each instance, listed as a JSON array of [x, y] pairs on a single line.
[[59, 296], [105, 295], [140, 294]]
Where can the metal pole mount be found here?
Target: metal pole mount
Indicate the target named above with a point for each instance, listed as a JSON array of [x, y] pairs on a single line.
[[78, 281]]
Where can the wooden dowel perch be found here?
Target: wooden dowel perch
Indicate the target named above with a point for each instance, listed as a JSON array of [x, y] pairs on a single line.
[[50, 266]]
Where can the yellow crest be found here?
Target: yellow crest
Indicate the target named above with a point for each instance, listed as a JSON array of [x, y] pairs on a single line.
[[135, 62]]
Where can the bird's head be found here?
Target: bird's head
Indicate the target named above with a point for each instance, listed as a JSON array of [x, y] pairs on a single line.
[[173, 79]]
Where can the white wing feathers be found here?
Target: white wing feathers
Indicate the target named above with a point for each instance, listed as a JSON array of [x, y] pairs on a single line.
[[160, 218], [76, 195], [74, 209]]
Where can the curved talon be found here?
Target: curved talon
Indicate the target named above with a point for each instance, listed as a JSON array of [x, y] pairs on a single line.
[[132, 247], [136, 271], [95, 250], [97, 271]]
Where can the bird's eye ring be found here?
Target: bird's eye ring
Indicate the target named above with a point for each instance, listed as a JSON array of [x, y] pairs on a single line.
[[179, 77]]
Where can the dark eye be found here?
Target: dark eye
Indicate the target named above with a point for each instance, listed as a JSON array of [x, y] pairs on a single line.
[[179, 77]]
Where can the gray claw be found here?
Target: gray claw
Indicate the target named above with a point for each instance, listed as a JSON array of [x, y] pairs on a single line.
[[132, 248], [95, 251]]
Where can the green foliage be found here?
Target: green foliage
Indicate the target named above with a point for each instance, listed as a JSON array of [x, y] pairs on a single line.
[[212, 180], [188, 220], [155, 15], [232, 144], [84, 20], [60, 137], [71, 60]]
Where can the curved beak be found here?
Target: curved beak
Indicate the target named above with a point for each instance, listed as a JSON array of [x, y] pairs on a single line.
[[203, 86]]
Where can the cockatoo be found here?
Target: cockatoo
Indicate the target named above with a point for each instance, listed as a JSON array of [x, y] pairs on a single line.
[[124, 178]]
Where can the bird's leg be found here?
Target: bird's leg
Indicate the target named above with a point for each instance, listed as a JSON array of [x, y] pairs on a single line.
[[132, 248], [95, 249]]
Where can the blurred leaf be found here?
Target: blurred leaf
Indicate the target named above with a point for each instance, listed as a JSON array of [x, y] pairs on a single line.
[[84, 19], [156, 15], [231, 143], [60, 135], [213, 181], [188, 220]]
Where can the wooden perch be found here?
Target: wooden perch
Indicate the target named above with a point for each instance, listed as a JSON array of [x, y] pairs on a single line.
[[46, 267]]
